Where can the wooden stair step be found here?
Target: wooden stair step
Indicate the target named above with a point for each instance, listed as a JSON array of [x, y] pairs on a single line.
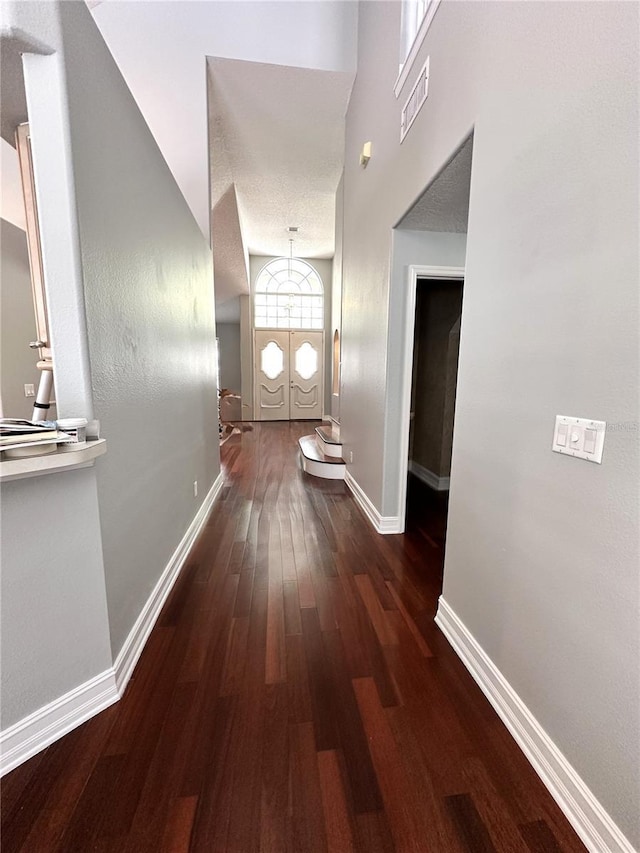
[[310, 449], [326, 434], [317, 463]]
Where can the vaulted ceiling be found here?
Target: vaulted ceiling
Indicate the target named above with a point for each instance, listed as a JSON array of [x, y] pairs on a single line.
[[277, 134], [444, 205], [246, 101]]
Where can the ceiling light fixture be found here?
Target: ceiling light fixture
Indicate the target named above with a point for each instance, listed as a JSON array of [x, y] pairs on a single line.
[[291, 229], [290, 256]]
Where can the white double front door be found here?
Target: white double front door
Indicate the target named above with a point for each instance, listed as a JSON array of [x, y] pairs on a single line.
[[288, 375]]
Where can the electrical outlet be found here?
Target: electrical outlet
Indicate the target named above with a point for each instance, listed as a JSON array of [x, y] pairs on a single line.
[[195, 488], [351, 456], [29, 390]]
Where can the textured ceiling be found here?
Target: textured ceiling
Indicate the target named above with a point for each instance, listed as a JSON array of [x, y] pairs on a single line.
[[277, 134], [444, 205], [229, 259]]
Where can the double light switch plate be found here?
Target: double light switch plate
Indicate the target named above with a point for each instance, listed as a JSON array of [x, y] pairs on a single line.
[[579, 437]]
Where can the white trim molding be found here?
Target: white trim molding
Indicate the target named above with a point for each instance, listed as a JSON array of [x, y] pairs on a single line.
[[440, 484], [381, 523], [34, 733], [582, 809], [413, 274], [407, 66], [37, 731], [134, 644]]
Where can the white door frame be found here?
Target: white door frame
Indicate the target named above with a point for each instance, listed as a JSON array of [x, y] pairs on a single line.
[[414, 273]]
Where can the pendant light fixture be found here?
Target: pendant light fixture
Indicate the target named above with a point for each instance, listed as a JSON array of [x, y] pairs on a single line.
[[292, 229]]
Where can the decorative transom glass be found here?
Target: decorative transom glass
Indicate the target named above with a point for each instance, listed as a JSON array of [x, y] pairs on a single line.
[[288, 295], [272, 360], [306, 360]]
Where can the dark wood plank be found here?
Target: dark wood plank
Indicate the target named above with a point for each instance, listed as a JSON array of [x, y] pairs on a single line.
[[275, 770], [211, 818], [387, 635], [360, 773], [308, 830], [245, 590], [236, 656], [165, 771], [88, 823], [411, 625], [292, 620], [373, 833], [408, 822], [300, 708], [334, 803], [320, 683], [177, 833], [539, 838], [244, 755], [469, 825]]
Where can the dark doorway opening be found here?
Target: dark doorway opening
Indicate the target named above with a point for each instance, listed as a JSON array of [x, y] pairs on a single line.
[[433, 392]]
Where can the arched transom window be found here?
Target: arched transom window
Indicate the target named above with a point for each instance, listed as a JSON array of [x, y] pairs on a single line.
[[288, 295]]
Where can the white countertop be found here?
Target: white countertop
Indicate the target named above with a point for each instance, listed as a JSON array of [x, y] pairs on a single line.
[[50, 463]]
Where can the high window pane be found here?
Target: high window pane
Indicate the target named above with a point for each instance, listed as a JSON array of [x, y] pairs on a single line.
[[288, 295]]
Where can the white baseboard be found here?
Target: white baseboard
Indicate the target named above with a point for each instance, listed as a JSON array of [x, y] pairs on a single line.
[[382, 523], [582, 809], [34, 733], [440, 484], [135, 642], [46, 725]]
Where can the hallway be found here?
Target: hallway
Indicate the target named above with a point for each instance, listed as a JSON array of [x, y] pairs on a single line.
[[295, 695]]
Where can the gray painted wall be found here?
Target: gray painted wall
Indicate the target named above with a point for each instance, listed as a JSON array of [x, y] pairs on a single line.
[[129, 265], [542, 550], [55, 631], [148, 287], [17, 324], [229, 356]]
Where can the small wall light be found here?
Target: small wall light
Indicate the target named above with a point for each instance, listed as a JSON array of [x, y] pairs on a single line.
[[365, 154]]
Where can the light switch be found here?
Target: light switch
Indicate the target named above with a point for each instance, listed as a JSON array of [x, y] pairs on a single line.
[[590, 436], [579, 437], [561, 435]]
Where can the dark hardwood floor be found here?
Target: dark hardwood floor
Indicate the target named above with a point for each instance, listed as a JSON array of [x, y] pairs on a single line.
[[295, 695]]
